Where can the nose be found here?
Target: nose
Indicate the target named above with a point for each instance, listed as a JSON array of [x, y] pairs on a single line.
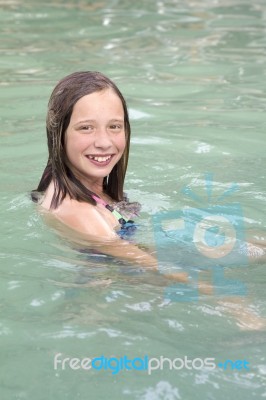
[[102, 138]]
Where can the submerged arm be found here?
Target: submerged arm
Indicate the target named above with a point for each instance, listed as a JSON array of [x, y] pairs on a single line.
[[98, 235]]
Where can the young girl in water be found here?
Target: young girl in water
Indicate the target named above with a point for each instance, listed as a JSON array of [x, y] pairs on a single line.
[[88, 133], [81, 189]]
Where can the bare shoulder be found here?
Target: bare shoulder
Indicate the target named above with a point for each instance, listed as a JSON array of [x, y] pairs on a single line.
[[47, 198], [83, 217]]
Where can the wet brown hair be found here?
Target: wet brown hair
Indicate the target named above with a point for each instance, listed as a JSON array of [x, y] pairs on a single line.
[[60, 107]]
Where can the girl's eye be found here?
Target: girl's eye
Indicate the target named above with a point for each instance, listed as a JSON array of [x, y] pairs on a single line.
[[86, 128], [116, 127]]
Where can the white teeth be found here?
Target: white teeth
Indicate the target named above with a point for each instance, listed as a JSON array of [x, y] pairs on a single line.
[[100, 159]]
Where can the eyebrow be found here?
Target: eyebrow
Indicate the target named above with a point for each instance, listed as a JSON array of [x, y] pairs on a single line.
[[94, 121]]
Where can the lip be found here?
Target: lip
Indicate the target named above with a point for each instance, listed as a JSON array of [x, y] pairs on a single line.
[[99, 155], [97, 163]]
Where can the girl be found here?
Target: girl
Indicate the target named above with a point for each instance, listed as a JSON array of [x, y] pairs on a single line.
[[88, 133], [81, 189]]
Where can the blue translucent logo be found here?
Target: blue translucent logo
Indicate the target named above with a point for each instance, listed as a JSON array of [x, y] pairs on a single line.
[[206, 238]]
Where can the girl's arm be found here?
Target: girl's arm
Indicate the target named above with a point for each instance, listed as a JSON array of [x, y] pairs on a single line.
[[88, 230]]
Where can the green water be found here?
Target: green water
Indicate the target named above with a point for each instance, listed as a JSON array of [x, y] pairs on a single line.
[[193, 73]]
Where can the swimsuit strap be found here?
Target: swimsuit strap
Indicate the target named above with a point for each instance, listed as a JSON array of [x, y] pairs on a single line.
[[128, 226], [120, 218]]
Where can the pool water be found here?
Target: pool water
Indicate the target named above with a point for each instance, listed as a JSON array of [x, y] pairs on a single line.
[[193, 73]]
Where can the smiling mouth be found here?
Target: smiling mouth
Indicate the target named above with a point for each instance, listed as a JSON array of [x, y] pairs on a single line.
[[100, 160]]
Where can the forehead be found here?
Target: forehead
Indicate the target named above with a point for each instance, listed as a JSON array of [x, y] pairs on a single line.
[[98, 104]]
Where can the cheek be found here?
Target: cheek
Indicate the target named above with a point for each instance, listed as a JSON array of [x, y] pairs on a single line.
[[75, 143], [121, 142], [70, 148]]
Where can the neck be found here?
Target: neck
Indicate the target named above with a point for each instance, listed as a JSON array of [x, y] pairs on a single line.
[[95, 186]]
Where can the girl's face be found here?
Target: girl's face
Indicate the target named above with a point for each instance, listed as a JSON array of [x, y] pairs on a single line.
[[95, 137]]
